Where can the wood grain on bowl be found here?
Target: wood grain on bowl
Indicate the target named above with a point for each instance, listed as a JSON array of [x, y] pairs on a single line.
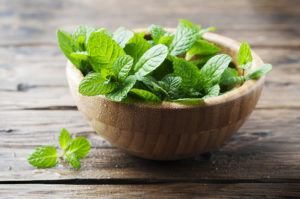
[[170, 131]]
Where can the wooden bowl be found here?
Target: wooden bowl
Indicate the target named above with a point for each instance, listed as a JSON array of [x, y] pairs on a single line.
[[170, 131]]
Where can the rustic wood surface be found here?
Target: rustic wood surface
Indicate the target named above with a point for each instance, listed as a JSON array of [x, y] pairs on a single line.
[[261, 161]]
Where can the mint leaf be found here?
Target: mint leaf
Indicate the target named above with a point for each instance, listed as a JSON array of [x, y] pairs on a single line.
[[244, 56], [150, 60], [230, 77], [213, 91], [102, 50], [121, 92], [145, 95], [80, 146], [203, 48], [64, 138], [81, 36], [43, 157], [171, 84], [94, 84], [212, 71], [261, 71], [122, 67], [188, 72], [189, 101], [67, 46], [73, 160], [166, 40], [137, 46], [79, 56], [156, 32], [122, 36], [185, 36], [205, 30], [153, 85]]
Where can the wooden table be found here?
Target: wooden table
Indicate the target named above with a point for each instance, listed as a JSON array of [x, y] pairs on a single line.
[[261, 160]]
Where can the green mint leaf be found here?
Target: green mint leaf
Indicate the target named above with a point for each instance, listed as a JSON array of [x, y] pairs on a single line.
[[203, 48], [261, 71], [94, 84], [67, 46], [43, 157], [244, 55], [64, 138], [122, 36], [81, 36], [145, 95], [137, 46], [230, 77], [79, 146], [171, 84], [166, 40], [185, 36], [212, 71], [150, 60], [121, 92], [189, 101], [122, 67], [73, 160], [188, 72], [102, 50], [156, 32], [80, 56], [205, 30], [213, 91], [153, 85]]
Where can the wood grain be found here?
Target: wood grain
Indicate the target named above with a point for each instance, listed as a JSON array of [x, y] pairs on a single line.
[[178, 190]]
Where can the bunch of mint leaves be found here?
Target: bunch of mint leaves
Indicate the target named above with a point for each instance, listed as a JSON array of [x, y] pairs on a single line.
[[156, 66], [72, 150]]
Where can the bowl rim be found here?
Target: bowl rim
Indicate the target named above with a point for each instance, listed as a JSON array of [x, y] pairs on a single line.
[[225, 42]]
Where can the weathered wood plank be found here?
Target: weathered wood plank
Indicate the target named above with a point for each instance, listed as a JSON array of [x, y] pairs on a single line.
[[178, 190], [241, 19], [266, 148]]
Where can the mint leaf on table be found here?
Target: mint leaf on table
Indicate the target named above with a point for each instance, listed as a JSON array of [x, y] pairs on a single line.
[[244, 56], [137, 46], [212, 71], [102, 50], [122, 36], [150, 60], [122, 90], [79, 146], [44, 157], [122, 66], [185, 36], [73, 160], [203, 48], [261, 71], [145, 95], [94, 84], [72, 151], [64, 138]]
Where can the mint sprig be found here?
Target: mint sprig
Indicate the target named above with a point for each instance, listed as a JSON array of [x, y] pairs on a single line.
[[155, 66], [72, 151]]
